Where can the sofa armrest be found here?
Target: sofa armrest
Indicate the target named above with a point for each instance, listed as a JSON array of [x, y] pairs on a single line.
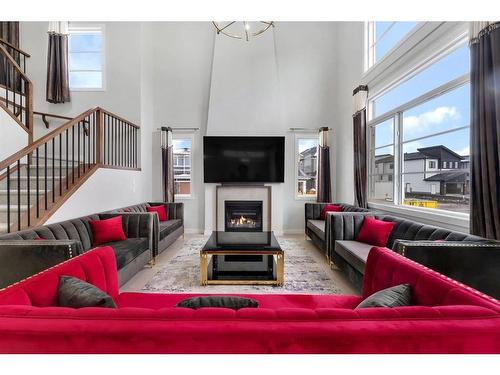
[[174, 210], [23, 258], [343, 226], [473, 263]]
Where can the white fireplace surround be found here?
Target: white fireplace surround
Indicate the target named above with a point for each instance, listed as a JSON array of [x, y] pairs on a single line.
[[243, 193]]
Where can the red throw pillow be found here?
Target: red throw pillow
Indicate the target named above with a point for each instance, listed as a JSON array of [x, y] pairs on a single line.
[[375, 232], [329, 208], [108, 230], [38, 238], [160, 210]]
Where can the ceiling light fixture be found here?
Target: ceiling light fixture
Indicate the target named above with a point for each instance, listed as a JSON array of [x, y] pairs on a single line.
[[242, 29]]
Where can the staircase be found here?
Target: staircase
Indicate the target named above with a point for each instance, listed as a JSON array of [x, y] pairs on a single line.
[[38, 179]]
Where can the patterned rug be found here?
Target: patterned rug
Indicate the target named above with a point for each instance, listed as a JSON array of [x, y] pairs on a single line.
[[303, 274]]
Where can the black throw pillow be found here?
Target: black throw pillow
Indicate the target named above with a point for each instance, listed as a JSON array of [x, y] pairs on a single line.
[[399, 295], [228, 302], [76, 293]]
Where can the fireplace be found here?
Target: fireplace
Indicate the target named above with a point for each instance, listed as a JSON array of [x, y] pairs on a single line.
[[243, 216]]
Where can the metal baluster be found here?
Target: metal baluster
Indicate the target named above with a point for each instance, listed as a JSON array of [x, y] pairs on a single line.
[[60, 165], [89, 136], [37, 183], [53, 170], [73, 155], [29, 192], [67, 161], [78, 150], [8, 198], [83, 142], [45, 182], [19, 194]]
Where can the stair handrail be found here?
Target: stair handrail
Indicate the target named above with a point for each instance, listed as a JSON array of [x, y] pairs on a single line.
[[17, 49], [45, 139], [27, 124]]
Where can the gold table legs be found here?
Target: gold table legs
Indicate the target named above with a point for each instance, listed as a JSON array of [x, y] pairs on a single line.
[[280, 271]]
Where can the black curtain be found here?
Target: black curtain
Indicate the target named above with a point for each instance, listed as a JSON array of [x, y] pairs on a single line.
[[57, 90], [485, 133], [9, 32], [359, 138], [167, 164], [324, 193]]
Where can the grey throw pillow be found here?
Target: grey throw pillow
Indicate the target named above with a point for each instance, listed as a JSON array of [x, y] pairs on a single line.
[[76, 293], [228, 302], [399, 295]]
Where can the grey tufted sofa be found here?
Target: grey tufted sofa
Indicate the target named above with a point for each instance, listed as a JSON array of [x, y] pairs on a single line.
[[473, 260], [164, 232], [22, 256], [317, 229]]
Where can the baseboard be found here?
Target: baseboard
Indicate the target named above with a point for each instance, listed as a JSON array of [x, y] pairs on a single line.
[[293, 231], [194, 231]]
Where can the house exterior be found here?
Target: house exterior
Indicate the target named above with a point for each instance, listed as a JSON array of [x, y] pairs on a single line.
[[435, 170], [182, 171], [307, 171]]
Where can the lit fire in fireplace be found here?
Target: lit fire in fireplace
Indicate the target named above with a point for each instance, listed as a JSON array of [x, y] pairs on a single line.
[[242, 220]]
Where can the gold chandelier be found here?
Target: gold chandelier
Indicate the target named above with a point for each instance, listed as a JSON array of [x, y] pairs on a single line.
[[242, 29]]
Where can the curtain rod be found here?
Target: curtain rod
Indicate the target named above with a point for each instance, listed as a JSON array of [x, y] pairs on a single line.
[[308, 129], [175, 129]]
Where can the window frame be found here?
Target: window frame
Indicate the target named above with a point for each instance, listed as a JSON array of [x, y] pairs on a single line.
[[179, 136], [369, 54], [79, 26], [303, 135], [397, 114]]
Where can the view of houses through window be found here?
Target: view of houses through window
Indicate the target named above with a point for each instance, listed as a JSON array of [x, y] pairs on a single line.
[[307, 167], [182, 166], [420, 151]]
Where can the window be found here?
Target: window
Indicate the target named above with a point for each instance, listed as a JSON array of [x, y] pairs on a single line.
[[86, 57], [182, 167], [383, 37], [307, 167], [426, 135]]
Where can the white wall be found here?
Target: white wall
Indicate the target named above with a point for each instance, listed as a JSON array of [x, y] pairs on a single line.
[[186, 76], [349, 70], [106, 189], [128, 93], [12, 136]]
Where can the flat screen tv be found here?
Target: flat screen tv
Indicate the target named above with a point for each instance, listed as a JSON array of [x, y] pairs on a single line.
[[244, 159]]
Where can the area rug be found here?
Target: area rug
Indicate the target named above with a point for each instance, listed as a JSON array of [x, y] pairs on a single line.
[[303, 274]]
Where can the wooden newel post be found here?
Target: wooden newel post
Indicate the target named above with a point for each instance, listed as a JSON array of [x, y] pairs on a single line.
[[100, 136]]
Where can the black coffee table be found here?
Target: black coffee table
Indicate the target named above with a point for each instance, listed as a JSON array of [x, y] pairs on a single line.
[[242, 248]]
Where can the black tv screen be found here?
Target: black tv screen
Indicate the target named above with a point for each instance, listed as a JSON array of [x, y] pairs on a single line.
[[244, 159]]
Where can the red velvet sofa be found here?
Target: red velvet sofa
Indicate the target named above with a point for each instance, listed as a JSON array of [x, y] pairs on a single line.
[[447, 317]]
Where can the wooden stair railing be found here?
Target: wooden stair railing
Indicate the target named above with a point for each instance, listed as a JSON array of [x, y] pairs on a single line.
[[38, 179], [16, 89]]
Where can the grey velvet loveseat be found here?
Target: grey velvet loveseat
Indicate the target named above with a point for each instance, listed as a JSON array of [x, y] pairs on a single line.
[[22, 256], [164, 232], [472, 260]]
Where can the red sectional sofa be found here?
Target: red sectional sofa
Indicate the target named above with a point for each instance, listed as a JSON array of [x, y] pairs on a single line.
[[447, 317]]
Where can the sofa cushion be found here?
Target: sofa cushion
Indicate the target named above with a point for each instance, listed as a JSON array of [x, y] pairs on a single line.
[[228, 302], [318, 227], [160, 210], [76, 293], [395, 296], [127, 250], [107, 230], [167, 227], [375, 232], [329, 208], [354, 252]]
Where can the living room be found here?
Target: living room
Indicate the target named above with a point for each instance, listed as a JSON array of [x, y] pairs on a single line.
[[328, 177]]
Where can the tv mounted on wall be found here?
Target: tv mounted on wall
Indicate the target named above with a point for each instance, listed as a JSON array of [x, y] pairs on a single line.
[[244, 159]]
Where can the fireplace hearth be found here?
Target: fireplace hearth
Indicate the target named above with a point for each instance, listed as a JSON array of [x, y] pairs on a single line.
[[243, 216]]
